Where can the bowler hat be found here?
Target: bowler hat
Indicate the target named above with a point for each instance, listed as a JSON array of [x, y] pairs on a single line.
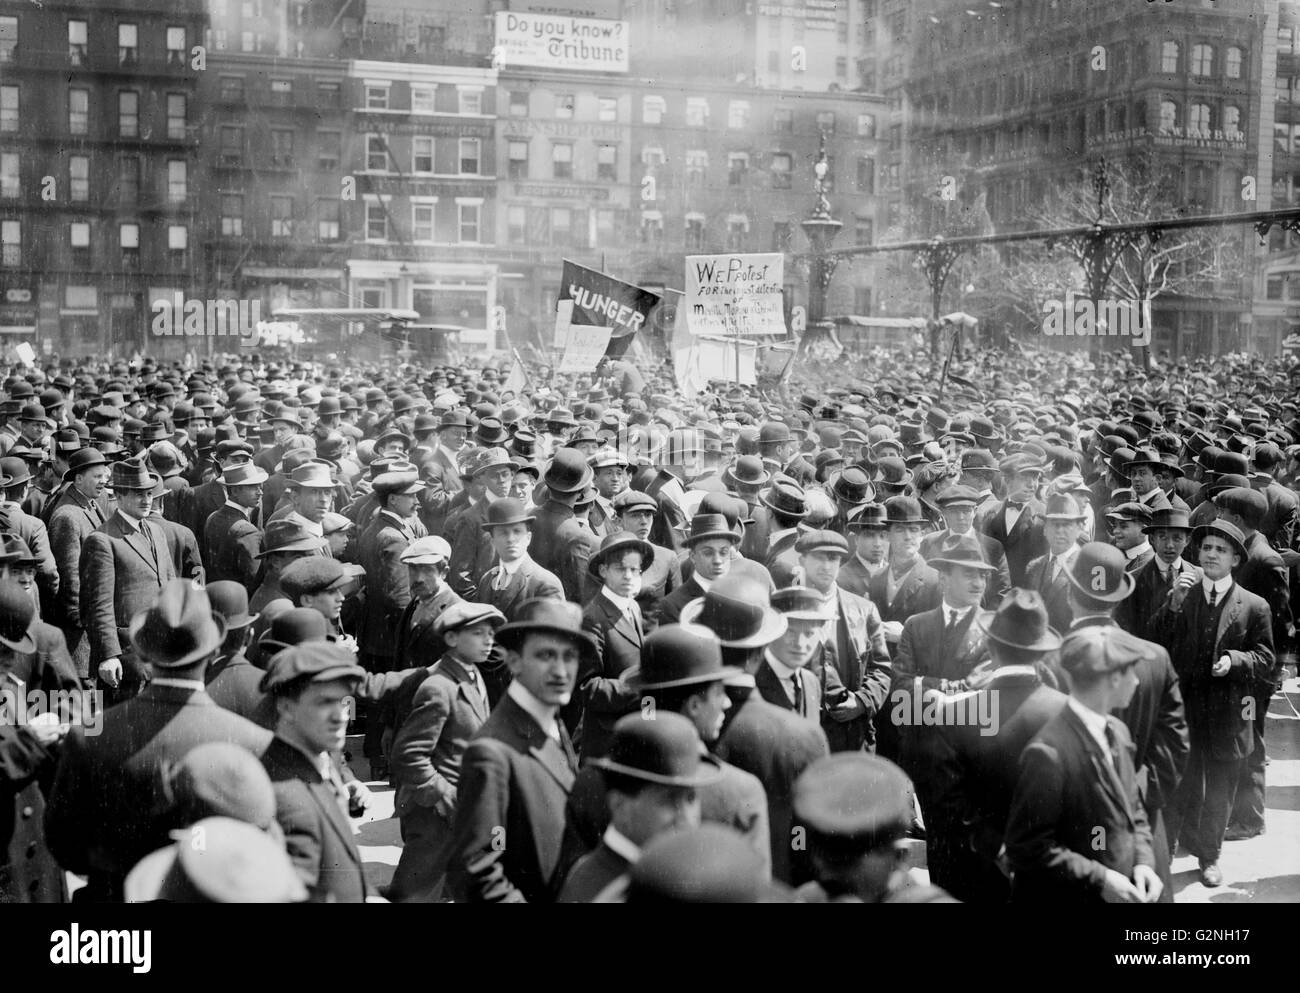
[[291, 627], [738, 610], [1145, 457], [800, 603], [1020, 622], [665, 751], [747, 471], [708, 864], [1221, 529], [676, 655], [230, 600], [852, 486], [506, 511], [393, 434], [178, 628], [17, 611], [549, 616], [979, 459], [961, 549], [903, 510], [1099, 572], [568, 472], [14, 472], [871, 517], [617, 543]]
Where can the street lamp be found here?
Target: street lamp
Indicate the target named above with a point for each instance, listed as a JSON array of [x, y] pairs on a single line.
[[821, 230]]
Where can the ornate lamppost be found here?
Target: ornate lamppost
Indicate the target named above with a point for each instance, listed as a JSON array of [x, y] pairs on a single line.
[[821, 230]]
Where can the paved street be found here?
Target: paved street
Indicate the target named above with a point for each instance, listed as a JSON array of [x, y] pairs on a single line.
[[1263, 870]]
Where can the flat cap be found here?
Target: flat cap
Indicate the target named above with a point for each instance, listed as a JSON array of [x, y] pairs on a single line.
[[854, 799], [1099, 649], [465, 613], [635, 500], [431, 550], [1131, 511], [314, 661], [1250, 504], [316, 574], [822, 541]]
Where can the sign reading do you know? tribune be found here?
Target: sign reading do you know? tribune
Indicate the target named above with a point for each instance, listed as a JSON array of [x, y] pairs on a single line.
[[582, 44]]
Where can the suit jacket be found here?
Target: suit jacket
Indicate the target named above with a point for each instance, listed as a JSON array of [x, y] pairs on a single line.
[[919, 592], [194, 506], [994, 554], [471, 548], [774, 745], [317, 832], [853, 576], [1279, 524], [974, 776], [1136, 563], [564, 546], [1069, 793], [1136, 611], [231, 544], [1264, 574], [49, 668], [855, 648], [70, 525], [670, 609], [592, 873], [509, 825], [530, 581], [417, 642], [658, 580], [388, 589], [1216, 719], [1024, 543], [28, 872], [33, 531], [1055, 592], [235, 684], [107, 809], [770, 688], [601, 696], [183, 548], [121, 574]]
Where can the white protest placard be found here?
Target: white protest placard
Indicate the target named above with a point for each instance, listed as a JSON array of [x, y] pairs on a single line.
[[583, 44], [735, 294], [26, 354], [563, 319], [584, 348]]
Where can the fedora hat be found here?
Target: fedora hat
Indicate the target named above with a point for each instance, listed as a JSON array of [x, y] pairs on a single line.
[[15, 551], [85, 458], [179, 628], [707, 527], [738, 610], [666, 751], [285, 535], [799, 603], [964, 550], [505, 511], [131, 474], [676, 655], [242, 474], [230, 600], [313, 475], [568, 472], [747, 471], [1168, 519], [17, 611], [1099, 572], [903, 510], [870, 517], [557, 617], [561, 417], [1147, 457], [1221, 529], [489, 458], [786, 497], [1063, 507], [398, 481], [1020, 622], [616, 543], [852, 486]]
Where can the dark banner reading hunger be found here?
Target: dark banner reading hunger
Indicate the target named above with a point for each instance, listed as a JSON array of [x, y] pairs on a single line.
[[605, 302]]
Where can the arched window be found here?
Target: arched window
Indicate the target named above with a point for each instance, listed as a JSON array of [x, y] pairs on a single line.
[[1198, 117], [1169, 57], [1168, 115], [1232, 63], [1202, 60], [1231, 119]]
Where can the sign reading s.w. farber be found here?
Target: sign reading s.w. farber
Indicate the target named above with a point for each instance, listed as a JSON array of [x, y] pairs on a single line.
[[584, 44]]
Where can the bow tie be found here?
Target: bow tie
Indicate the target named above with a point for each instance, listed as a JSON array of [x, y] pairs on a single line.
[[1018, 504]]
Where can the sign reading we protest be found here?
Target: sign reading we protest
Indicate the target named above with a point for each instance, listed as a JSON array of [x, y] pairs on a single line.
[[735, 294]]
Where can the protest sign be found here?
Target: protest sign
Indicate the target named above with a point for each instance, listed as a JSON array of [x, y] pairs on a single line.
[[603, 301], [735, 294], [583, 349]]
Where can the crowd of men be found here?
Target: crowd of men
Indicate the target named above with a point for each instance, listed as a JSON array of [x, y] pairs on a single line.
[[610, 643]]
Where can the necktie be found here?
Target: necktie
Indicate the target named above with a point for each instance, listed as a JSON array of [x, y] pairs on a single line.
[[954, 619], [1110, 747], [798, 693], [1214, 595], [1049, 574]]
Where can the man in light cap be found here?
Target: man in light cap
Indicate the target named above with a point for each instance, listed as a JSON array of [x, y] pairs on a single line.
[[957, 504], [854, 810], [489, 478], [610, 468], [312, 684], [426, 560], [1125, 526], [323, 584], [381, 545], [1077, 783]]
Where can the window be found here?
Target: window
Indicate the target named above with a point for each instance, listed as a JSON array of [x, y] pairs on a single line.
[[862, 231], [376, 97], [128, 113], [281, 92], [1202, 60], [862, 300], [471, 100], [469, 156], [128, 237], [377, 153], [1274, 288], [697, 165], [652, 226], [79, 234], [1198, 117], [232, 89], [77, 42], [738, 115], [653, 109], [1231, 119], [178, 237], [607, 109], [11, 243], [866, 125], [781, 167], [422, 99], [220, 39], [694, 232], [866, 180], [469, 215], [1169, 57], [561, 226], [232, 215], [737, 232], [562, 161], [176, 116], [281, 217], [697, 112], [1281, 138], [281, 147], [327, 220], [9, 175], [737, 168], [177, 180], [564, 106], [421, 154], [79, 178], [516, 224], [1232, 63], [329, 94], [376, 220], [782, 236], [328, 144], [607, 162], [605, 222], [128, 47], [518, 103], [78, 111], [826, 121], [175, 46], [842, 65], [1282, 89], [128, 178], [422, 221], [652, 156], [8, 38], [1168, 115], [517, 159], [783, 120]]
